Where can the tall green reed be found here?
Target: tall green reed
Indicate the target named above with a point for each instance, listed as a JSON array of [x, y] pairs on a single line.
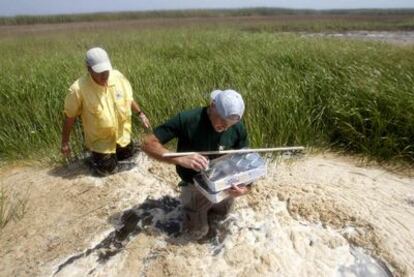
[[321, 92]]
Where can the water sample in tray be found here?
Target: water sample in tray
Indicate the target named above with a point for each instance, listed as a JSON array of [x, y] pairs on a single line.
[[228, 170]]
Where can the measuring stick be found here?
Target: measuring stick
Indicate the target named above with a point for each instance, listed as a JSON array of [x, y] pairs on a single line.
[[206, 153]]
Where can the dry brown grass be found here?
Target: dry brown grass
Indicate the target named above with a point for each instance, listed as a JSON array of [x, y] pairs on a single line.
[[278, 22]]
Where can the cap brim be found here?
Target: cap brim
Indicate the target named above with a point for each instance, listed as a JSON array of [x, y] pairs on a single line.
[[101, 67]]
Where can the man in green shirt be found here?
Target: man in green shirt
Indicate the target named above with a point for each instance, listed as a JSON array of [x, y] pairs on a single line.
[[215, 127]]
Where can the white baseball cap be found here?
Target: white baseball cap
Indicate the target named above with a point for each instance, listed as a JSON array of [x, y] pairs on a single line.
[[98, 60], [228, 103]]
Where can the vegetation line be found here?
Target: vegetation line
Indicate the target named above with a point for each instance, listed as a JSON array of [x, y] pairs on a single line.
[[310, 91], [203, 13]]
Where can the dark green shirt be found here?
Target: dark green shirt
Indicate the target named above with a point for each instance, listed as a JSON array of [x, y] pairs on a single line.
[[194, 132]]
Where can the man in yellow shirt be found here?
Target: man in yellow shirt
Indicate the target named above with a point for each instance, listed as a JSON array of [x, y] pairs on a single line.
[[103, 99]]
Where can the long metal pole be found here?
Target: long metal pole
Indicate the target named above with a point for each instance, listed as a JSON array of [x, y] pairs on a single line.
[[206, 153]]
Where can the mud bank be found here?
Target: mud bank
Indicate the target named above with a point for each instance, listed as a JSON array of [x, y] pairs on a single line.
[[320, 215]]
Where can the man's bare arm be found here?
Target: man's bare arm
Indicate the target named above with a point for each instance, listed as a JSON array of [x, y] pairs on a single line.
[[135, 108], [155, 149], [67, 127], [152, 146]]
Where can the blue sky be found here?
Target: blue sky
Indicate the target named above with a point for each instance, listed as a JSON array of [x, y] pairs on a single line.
[[37, 7]]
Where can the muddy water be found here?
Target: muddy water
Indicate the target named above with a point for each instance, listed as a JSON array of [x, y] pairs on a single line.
[[396, 37], [317, 216]]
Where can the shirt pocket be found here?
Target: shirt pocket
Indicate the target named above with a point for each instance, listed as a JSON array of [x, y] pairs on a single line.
[[124, 109], [101, 118]]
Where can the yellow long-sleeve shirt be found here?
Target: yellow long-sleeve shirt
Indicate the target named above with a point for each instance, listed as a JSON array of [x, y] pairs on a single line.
[[105, 111]]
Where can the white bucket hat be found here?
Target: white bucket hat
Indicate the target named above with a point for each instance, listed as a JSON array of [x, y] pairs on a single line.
[[98, 60]]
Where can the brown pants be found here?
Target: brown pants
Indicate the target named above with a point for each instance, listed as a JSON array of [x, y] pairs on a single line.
[[197, 209]]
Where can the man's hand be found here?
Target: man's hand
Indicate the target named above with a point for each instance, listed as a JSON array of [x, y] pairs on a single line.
[[144, 120], [195, 162], [237, 191], [65, 149]]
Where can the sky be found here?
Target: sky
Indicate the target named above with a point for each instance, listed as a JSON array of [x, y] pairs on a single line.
[[47, 7]]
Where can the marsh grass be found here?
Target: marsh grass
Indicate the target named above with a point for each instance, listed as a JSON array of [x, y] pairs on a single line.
[[321, 92], [13, 207]]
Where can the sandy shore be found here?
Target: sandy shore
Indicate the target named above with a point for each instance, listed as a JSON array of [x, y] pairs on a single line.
[[320, 215]]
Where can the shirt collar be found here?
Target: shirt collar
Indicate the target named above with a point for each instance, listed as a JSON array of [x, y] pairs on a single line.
[[111, 81]]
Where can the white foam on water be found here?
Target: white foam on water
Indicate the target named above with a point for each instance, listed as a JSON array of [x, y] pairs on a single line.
[[258, 238], [363, 264]]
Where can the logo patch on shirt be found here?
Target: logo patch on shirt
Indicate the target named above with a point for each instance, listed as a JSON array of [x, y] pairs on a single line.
[[118, 95]]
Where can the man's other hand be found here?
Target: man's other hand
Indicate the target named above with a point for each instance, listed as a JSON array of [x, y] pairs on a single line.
[[65, 149], [195, 162], [145, 121], [237, 191]]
